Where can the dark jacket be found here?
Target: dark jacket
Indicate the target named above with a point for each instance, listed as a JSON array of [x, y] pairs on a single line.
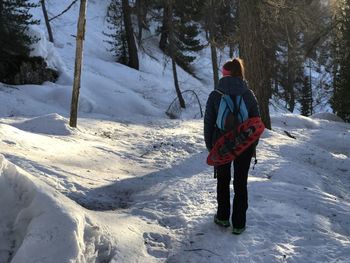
[[230, 86]]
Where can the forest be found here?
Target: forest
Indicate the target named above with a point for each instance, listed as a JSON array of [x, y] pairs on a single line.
[[104, 149], [294, 51]]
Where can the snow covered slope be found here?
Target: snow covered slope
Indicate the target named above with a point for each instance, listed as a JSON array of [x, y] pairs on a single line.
[[39, 224], [108, 90], [130, 185]]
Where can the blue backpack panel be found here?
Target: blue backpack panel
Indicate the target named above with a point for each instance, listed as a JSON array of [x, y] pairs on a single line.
[[231, 112]]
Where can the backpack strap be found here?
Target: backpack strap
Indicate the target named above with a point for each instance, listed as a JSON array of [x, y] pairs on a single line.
[[239, 107], [230, 103]]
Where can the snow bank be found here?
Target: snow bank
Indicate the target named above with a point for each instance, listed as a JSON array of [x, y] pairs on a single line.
[[327, 116], [51, 124], [295, 121], [39, 224], [45, 49]]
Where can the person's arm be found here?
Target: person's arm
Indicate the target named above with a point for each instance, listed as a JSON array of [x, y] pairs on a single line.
[[209, 122], [252, 104], [253, 109]]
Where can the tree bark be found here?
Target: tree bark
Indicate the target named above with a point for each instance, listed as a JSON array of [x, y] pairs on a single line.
[[211, 13], [291, 66], [130, 39], [47, 21], [141, 18], [254, 54], [165, 27], [170, 28], [230, 53], [177, 87], [78, 63], [214, 62]]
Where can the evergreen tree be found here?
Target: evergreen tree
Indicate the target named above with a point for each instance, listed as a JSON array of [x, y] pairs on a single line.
[[185, 31], [341, 98], [306, 100], [14, 42], [122, 39], [117, 39]]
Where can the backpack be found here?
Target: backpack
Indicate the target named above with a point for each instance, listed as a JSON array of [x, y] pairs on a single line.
[[232, 112]]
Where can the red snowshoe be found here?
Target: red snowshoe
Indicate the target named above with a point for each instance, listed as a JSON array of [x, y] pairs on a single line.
[[229, 146]]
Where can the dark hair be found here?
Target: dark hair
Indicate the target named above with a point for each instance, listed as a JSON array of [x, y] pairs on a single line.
[[236, 67]]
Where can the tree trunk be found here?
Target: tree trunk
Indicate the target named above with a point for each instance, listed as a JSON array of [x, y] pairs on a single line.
[[47, 22], [230, 53], [254, 54], [141, 18], [165, 27], [310, 90], [211, 13], [78, 63], [177, 87], [214, 62], [170, 28], [291, 66], [130, 39]]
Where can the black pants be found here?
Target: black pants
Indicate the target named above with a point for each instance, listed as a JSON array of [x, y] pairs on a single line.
[[240, 201]]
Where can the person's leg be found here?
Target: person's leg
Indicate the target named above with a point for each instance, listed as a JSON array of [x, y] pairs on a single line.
[[240, 200], [223, 191]]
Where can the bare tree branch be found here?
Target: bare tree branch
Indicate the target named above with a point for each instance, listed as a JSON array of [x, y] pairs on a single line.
[[322, 35], [64, 11]]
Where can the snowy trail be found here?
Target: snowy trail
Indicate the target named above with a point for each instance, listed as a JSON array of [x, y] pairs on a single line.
[[300, 210], [296, 208], [160, 196]]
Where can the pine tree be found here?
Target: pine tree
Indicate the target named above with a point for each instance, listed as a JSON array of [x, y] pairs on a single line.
[[341, 98], [14, 42], [306, 100], [185, 31], [117, 39], [122, 37]]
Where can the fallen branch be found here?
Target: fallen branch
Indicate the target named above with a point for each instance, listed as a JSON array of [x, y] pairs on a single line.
[[289, 135]]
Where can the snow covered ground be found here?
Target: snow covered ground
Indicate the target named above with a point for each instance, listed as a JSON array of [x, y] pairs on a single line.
[[130, 185]]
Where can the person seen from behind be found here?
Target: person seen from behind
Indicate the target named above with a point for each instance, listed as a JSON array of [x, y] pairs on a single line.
[[233, 84]]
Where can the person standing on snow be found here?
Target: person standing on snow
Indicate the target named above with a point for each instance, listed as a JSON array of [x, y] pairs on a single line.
[[232, 83]]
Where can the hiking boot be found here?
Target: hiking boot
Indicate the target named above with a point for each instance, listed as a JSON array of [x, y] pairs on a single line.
[[237, 231], [223, 223]]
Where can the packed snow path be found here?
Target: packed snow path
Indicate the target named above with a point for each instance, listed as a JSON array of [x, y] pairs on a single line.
[[149, 181]]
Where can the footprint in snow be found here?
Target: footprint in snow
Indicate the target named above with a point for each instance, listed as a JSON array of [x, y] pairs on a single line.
[[157, 244]]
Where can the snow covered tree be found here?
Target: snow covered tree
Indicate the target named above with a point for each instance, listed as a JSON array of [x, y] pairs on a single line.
[[14, 42]]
